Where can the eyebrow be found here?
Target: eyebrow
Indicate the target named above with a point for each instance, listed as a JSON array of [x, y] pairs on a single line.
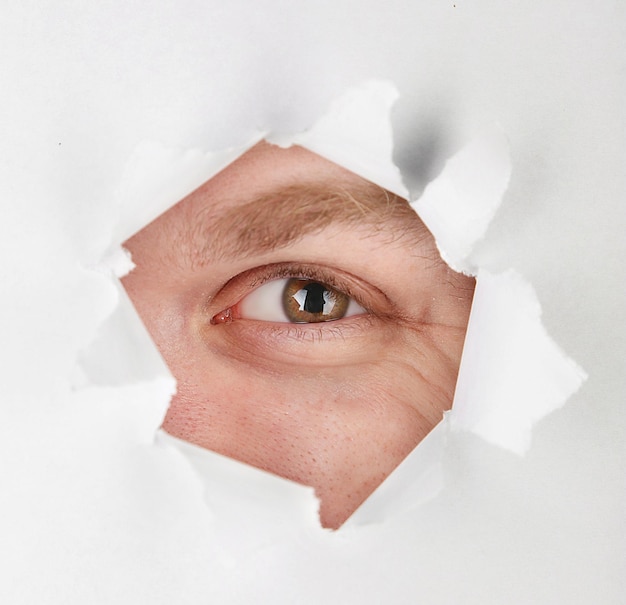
[[284, 215]]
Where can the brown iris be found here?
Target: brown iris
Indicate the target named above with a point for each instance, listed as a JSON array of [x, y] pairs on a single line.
[[309, 301]]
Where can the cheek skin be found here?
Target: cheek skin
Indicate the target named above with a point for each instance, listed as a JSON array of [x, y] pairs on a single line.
[[322, 439], [323, 430], [340, 430]]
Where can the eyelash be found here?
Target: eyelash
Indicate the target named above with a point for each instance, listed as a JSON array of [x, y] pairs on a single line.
[[319, 274]]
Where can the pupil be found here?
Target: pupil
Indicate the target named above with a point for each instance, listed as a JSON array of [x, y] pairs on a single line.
[[314, 301]]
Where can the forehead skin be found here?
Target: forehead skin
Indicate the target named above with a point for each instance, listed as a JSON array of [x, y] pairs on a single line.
[[335, 405]]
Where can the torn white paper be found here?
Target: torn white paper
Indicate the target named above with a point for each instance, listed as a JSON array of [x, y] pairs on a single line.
[[93, 511], [512, 373]]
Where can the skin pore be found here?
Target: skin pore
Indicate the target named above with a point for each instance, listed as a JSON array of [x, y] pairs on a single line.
[[335, 402]]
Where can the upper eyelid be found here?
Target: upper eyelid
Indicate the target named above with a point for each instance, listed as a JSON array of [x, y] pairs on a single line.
[[286, 271]]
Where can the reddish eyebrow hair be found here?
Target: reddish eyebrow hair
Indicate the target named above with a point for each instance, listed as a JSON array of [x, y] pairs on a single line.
[[282, 216]]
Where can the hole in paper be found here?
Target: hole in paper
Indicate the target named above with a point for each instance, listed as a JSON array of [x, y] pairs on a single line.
[[312, 327]]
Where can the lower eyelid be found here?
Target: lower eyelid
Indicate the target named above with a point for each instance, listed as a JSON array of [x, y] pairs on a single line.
[[316, 344]]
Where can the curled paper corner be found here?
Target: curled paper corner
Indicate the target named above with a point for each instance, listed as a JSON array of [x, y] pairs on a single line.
[[356, 133], [458, 205], [512, 372]]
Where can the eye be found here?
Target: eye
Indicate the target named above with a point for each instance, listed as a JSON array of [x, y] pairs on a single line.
[[294, 300]]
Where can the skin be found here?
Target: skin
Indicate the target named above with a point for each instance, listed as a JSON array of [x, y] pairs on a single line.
[[334, 405]]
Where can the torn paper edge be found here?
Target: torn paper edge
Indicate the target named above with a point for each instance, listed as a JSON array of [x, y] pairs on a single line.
[[356, 133], [416, 480], [457, 207], [512, 374], [157, 177]]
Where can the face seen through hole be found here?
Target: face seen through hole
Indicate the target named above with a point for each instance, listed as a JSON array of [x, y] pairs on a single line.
[[312, 327]]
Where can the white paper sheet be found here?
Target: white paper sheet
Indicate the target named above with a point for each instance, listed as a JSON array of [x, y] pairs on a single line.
[[97, 509]]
